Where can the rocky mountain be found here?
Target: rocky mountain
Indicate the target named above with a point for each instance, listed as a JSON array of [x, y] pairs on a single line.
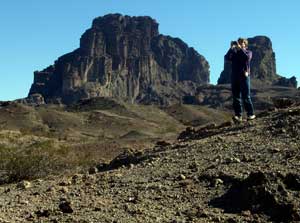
[[125, 58], [263, 65]]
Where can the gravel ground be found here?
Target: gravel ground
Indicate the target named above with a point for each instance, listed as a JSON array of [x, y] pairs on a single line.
[[242, 172]]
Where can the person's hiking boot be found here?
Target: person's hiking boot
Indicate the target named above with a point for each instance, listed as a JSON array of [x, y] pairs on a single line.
[[237, 118], [251, 117]]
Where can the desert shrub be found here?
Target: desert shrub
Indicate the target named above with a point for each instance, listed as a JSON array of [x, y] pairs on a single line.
[[39, 160], [19, 165], [25, 163]]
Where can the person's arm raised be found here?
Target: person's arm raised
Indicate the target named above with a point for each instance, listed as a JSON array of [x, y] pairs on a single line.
[[228, 56]]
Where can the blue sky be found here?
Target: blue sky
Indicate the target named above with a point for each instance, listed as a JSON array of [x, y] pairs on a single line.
[[35, 33]]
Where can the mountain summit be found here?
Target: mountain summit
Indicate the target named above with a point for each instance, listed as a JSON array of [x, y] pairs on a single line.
[[125, 58]]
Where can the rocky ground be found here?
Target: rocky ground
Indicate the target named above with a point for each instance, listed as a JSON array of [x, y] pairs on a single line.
[[246, 172]]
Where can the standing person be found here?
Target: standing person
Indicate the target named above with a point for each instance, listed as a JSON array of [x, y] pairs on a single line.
[[240, 58]]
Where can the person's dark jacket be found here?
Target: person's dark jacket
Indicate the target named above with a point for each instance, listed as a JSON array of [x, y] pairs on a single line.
[[240, 59]]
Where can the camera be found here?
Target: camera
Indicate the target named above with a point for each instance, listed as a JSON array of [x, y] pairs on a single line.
[[234, 43]]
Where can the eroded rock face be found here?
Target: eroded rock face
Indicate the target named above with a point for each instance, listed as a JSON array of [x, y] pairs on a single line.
[[125, 58], [286, 82], [33, 100], [263, 65]]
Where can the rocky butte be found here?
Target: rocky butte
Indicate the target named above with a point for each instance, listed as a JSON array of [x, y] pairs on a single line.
[[263, 65], [266, 85], [125, 58]]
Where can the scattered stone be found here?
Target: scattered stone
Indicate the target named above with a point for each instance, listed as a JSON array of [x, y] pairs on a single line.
[[233, 160], [65, 183], [247, 158], [181, 177], [29, 217], [217, 182], [51, 189], [65, 207], [194, 166], [36, 193], [236, 160], [24, 202], [24, 185], [275, 150], [125, 159], [163, 143], [4, 221], [218, 159], [246, 213], [7, 190], [64, 190], [77, 178], [93, 170], [283, 131], [38, 182], [42, 213], [201, 213], [132, 199], [97, 209]]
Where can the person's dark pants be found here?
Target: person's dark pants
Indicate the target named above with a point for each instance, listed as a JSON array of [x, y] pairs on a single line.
[[241, 93]]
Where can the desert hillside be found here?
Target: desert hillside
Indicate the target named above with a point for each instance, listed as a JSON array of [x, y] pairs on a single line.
[[51, 139], [247, 172]]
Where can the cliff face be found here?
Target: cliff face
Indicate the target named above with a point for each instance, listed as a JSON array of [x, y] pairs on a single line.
[[125, 58], [263, 65]]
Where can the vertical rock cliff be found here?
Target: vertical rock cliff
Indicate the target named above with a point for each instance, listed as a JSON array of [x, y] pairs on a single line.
[[125, 58]]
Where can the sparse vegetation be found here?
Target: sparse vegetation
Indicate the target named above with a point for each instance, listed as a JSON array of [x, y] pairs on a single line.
[[42, 158], [51, 139]]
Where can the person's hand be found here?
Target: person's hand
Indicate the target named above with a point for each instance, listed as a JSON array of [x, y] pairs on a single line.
[[246, 74], [233, 45]]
